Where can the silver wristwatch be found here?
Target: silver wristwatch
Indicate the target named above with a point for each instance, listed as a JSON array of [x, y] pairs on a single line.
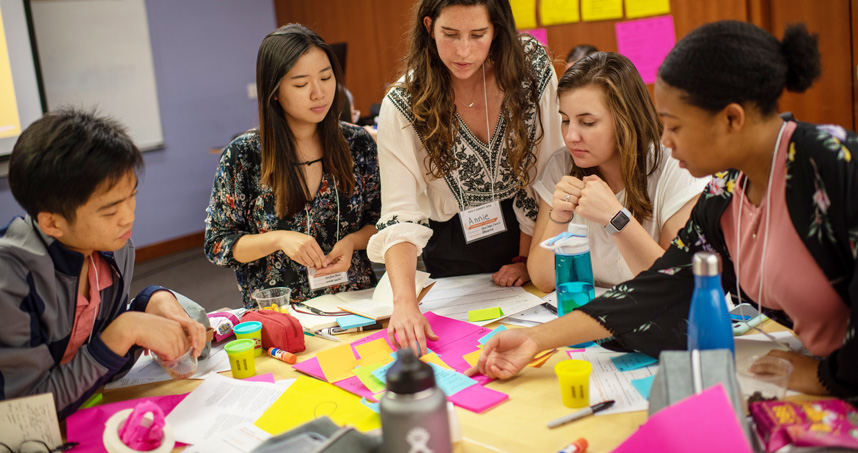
[[619, 221]]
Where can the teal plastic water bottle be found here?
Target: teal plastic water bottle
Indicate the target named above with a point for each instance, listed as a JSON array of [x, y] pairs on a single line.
[[573, 270], [709, 319]]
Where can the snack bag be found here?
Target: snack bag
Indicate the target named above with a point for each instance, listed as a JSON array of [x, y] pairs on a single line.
[[823, 423]]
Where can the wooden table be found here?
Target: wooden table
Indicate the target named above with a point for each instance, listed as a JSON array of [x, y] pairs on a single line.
[[516, 425]]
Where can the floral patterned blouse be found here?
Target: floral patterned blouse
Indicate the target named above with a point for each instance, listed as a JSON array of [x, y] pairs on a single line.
[[241, 205], [650, 312]]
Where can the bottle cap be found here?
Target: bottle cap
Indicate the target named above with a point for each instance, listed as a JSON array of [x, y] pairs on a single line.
[[408, 374], [706, 264], [567, 243]]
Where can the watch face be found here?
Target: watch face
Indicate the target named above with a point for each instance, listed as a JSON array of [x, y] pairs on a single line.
[[620, 220]]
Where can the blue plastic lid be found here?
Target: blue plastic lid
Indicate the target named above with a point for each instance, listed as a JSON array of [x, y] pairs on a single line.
[[247, 327]]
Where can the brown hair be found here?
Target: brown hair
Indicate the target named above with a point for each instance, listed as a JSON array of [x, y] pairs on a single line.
[[278, 53], [636, 123], [427, 81]]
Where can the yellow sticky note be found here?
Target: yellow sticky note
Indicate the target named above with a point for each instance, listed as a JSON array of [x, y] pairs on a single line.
[[473, 357], [433, 358], [646, 8], [308, 399], [374, 347], [364, 373], [376, 359], [554, 12], [484, 314], [337, 363], [601, 9], [524, 12]]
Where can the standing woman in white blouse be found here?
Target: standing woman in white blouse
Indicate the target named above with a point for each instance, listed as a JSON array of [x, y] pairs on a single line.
[[461, 137]]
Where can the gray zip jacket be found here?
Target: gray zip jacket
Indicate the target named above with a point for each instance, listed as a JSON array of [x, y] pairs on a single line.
[[38, 294]]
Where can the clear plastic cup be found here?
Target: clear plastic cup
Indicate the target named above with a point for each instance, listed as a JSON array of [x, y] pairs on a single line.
[[764, 376], [181, 367], [272, 298]]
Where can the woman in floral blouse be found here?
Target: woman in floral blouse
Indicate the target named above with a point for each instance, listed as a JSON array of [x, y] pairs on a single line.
[[295, 201], [785, 220]]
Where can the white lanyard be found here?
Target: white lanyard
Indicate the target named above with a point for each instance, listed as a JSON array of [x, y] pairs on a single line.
[[487, 219], [331, 279], [768, 208]]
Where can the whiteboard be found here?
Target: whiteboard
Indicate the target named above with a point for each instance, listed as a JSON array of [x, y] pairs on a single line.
[[97, 54]]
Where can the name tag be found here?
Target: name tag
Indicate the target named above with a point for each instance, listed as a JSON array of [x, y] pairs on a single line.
[[326, 280], [483, 221]]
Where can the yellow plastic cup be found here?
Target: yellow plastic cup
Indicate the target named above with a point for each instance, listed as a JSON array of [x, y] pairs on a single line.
[[574, 376], [253, 331], [241, 359]]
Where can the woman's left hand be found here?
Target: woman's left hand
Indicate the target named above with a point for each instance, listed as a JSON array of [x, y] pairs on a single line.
[[340, 258], [597, 202], [804, 377], [511, 275]]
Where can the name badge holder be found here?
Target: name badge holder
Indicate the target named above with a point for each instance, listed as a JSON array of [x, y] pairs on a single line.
[[325, 281]]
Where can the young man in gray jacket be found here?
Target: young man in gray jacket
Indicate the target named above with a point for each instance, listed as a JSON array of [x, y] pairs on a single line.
[[65, 269]]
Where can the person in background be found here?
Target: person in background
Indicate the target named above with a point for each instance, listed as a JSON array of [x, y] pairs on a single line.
[[461, 136], [614, 176], [578, 52], [66, 268], [298, 198], [781, 212]]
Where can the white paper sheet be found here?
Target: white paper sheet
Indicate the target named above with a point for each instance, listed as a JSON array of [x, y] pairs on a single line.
[[219, 404], [454, 297], [539, 314], [238, 439], [608, 383], [30, 418], [147, 371]]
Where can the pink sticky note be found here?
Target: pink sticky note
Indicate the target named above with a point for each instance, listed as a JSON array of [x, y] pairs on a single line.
[[540, 34], [704, 423], [477, 398], [86, 426], [646, 42], [455, 339], [261, 378]]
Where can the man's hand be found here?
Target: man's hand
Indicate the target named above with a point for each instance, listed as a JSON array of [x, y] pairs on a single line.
[[165, 305]]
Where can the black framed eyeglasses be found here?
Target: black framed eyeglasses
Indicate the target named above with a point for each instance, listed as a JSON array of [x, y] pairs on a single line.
[[36, 446]]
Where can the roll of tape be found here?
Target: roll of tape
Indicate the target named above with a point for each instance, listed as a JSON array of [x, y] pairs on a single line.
[[114, 445]]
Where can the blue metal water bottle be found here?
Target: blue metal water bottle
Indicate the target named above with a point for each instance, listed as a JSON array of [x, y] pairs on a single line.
[[709, 319]]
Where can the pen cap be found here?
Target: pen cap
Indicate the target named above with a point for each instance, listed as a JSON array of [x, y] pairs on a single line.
[[408, 374]]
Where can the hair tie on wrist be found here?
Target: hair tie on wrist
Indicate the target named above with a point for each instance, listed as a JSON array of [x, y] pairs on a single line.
[[519, 259], [555, 221]]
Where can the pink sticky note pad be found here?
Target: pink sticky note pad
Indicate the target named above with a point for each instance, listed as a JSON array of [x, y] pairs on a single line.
[[646, 42], [86, 426], [456, 338], [704, 423]]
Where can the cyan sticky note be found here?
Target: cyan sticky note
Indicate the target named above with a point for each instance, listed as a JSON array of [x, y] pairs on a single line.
[[632, 361], [350, 321], [449, 381], [489, 335], [484, 314], [643, 385], [372, 406]]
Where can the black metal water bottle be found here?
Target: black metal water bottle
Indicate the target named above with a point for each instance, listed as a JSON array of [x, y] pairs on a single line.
[[413, 409]]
